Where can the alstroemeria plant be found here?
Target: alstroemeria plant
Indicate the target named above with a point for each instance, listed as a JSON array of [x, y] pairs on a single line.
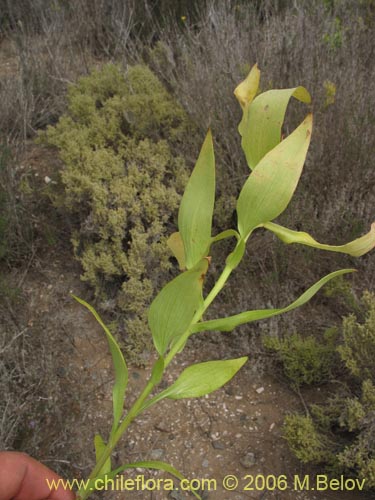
[[176, 313]]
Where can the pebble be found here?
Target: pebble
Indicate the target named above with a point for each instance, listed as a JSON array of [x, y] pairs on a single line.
[[156, 454], [248, 460], [177, 495], [260, 390], [205, 463], [218, 445]]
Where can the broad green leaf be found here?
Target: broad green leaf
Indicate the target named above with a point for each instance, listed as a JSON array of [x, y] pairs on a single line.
[[270, 187], [145, 464], [176, 245], [202, 378], [99, 449], [197, 205], [246, 90], [121, 370], [355, 248], [228, 324], [174, 307], [260, 127]]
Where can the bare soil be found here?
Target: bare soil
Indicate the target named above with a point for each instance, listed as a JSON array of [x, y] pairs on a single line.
[[234, 431]]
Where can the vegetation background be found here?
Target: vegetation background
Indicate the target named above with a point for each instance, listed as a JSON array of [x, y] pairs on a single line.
[[156, 74]]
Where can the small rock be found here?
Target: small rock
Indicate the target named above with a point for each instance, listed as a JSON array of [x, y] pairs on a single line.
[[47, 179], [61, 371], [272, 426], [176, 495], [205, 463], [260, 390], [163, 427], [248, 460], [218, 445], [157, 454]]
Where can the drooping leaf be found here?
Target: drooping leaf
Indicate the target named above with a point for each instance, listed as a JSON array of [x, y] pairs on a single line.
[[355, 248], [201, 379], [260, 127], [231, 322], [270, 187], [120, 368], [176, 245], [99, 449], [174, 307], [197, 205], [246, 90]]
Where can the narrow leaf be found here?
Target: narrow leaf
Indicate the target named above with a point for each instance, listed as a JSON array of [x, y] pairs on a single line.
[[202, 378], [99, 449], [197, 205], [176, 245], [270, 187], [174, 307], [235, 257], [228, 324], [355, 248], [120, 368], [246, 90], [260, 127]]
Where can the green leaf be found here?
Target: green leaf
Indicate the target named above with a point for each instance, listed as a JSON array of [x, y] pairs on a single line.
[[246, 90], [174, 307], [235, 257], [120, 368], [157, 371], [99, 449], [202, 378], [260, 127], [197, 205], [228, 324], [176, 245], [355, 248], [270, 187]]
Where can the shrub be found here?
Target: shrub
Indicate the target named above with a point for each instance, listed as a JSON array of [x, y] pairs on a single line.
[[358, 347], [346, 423], [304, 360], [122, 181], [304, 440]]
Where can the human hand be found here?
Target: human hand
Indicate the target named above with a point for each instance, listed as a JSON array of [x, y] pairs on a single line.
[[23, 478]]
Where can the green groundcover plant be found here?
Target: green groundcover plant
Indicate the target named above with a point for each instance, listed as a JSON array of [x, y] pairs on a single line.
[[177, 311]]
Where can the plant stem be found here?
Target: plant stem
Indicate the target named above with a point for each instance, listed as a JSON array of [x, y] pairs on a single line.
[[138, 405], [133, 412]]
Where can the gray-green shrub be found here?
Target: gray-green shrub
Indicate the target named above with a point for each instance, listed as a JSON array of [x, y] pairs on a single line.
[[122, 181], [340, 433]]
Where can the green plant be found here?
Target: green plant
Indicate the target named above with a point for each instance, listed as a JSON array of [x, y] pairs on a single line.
[[122, 181], [340, 433], [358, 347], [177, 311], [304, 440], [304, 360]]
